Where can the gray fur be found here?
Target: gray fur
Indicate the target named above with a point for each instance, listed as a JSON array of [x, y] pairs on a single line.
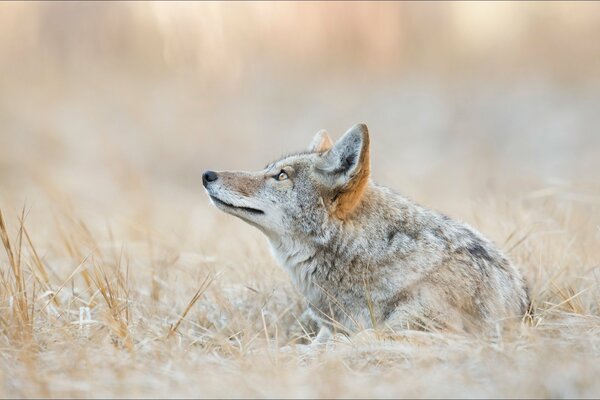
[[384, 261]]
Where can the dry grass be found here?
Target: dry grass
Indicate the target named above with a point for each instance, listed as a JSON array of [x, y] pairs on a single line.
[[87, 312], [117, 279]]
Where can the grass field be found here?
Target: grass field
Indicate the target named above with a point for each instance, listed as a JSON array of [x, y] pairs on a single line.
[[118, 279]]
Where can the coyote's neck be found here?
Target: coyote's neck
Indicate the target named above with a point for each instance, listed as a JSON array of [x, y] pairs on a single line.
[[298, 259], [357, 241]]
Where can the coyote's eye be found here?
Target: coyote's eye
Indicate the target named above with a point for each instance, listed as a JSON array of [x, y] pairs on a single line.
[[281, 176]]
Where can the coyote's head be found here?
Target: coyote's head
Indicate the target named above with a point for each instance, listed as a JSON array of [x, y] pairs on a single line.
[[299, 193]]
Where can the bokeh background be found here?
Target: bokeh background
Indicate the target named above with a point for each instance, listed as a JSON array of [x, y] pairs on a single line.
[[104, 99], [110, 111]]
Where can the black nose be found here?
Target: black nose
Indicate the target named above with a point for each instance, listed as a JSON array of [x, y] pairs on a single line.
[[209, 176]]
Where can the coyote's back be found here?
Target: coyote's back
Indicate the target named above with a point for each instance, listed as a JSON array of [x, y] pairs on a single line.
[[363, 255]]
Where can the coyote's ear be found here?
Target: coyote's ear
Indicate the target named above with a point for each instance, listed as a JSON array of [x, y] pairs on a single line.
[[348, 164], [321, 142]]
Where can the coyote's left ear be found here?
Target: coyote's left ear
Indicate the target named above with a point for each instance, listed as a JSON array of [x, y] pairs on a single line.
[[321, 142], [348, 165]]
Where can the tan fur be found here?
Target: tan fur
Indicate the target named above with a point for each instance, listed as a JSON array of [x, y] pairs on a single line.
[[321, 142], [242, 182], [364, 256], [352, 194]]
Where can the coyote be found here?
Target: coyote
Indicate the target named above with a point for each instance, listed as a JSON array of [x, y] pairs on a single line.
[[364, 256]]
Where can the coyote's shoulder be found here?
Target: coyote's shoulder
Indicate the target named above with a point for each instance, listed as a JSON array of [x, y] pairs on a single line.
[[363, 255]]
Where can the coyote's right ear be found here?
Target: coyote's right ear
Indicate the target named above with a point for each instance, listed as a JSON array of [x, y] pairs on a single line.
[[321, 142], [347, 164]]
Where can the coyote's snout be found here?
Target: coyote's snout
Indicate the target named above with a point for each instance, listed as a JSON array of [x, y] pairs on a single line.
[[363, 255]]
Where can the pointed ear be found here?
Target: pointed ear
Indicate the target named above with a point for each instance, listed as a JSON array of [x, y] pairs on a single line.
[[348, 164], [321, 142]]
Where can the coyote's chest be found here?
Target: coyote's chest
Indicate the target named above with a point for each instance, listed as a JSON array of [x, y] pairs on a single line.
[[335, 288]]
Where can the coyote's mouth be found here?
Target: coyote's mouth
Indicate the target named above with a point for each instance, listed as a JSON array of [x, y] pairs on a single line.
[[247, 209]]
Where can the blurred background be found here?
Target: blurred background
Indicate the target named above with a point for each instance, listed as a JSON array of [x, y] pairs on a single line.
[[111, 111], [116, 108]]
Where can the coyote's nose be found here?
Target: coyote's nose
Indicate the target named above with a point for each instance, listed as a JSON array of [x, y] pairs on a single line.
[[208, 176]]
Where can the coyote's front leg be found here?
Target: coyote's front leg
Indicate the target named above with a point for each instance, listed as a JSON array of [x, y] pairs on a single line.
[[305, 329]]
